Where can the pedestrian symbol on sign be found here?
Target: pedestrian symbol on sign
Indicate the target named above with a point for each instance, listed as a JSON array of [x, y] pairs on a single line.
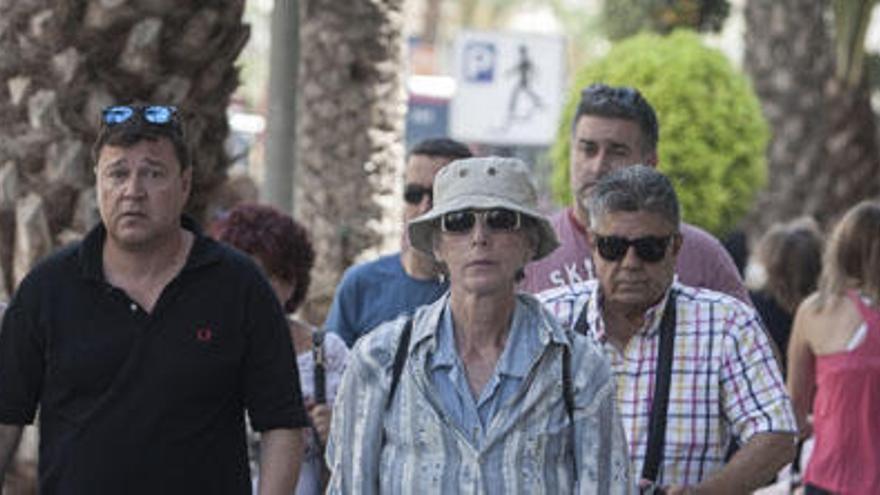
[[509, 88], [525, 73]]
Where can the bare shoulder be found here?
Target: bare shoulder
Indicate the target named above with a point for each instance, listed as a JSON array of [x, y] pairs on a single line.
[[827, 325], [832, 308], [809, 307]]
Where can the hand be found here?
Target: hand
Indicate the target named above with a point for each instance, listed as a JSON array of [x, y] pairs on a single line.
[[807, 428], [320, 415]]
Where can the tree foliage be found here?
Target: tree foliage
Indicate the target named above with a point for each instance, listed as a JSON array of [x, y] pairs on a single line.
[[623, 18], [712, 133]]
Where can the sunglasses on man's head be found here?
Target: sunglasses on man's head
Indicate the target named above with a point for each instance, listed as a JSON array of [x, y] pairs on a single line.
[[462, 221], [153, 114], [413, 193], [608, 94], [650, 249]]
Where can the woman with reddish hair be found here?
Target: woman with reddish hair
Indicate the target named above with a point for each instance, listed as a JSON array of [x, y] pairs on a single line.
[[281, 247]]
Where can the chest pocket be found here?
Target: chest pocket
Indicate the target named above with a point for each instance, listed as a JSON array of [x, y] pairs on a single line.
[[199, 359], [545, 445]]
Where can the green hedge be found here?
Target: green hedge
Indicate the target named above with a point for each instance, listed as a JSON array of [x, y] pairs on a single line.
[[623, 18], [713, 136]]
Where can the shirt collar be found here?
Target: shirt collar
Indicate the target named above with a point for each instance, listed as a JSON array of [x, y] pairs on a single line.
[[444, 353], [521, 346], [654, 315], [574, 221], [91, 250], [433, 327], [596, 323]]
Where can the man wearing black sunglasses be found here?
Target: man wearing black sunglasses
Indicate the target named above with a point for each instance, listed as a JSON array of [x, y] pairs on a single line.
[[144, 344], [694, 367], [398, 283], [616, 127]]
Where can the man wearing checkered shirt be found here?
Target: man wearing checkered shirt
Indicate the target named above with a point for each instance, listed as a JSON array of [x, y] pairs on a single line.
[[724, 381]]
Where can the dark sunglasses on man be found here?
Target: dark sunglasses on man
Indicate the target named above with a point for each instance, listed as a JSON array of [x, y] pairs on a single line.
[[650, 249], [414, 193], [498, 219], [160, 115]]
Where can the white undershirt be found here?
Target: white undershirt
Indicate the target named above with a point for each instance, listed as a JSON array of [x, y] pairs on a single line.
[[857, 337], [861, 332]]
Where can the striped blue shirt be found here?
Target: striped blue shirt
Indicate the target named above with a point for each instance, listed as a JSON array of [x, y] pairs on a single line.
[[415, 446], [451, 382]]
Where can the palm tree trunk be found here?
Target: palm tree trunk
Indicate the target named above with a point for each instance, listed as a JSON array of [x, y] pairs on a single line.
[[349, 133], [851, 169], [823, 155], [62, 61]]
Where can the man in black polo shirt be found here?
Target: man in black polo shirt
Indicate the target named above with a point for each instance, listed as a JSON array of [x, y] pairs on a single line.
[[144, 344]]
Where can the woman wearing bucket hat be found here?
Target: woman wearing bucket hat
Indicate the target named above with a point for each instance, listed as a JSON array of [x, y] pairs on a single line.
[[480, 391]]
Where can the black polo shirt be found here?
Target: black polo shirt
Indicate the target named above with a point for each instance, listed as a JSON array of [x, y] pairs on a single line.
[[132, 402]]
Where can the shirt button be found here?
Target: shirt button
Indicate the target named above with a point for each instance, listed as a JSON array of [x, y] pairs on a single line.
[[134, 307]]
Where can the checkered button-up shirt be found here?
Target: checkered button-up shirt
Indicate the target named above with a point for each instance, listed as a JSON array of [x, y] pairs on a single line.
[[725, 379]]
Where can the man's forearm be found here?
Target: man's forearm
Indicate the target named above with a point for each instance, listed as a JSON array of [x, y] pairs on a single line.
[[753, 465], [281, 452], [9, 438]]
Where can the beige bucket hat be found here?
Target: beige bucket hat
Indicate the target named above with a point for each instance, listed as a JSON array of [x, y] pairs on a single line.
[[482, 183]]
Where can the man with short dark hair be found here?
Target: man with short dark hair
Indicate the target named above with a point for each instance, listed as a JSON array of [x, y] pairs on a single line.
[[616, 127], [373, 292], [144, 344], [722, 379]]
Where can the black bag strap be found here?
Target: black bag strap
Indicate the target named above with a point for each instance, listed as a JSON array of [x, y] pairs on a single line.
[[320, 380], [568, 398], [399, 360], [580, 326], [567, 388], [320, 368], [657, 424]]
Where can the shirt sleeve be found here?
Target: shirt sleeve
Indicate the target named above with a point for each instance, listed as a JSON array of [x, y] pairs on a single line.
[[271, 379], [565, 303], [754, 395], [355, 444], [727, 278], [22, 365], [336, 355], [707, 264], [339, 319]]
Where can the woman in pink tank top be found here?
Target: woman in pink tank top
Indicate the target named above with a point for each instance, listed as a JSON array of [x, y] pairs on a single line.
[[834, 360]]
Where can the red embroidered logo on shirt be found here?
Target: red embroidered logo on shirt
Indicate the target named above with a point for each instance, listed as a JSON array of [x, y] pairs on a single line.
[[204, 334]]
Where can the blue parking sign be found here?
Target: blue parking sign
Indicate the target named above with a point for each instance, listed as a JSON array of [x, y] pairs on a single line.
[[479, 62]]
